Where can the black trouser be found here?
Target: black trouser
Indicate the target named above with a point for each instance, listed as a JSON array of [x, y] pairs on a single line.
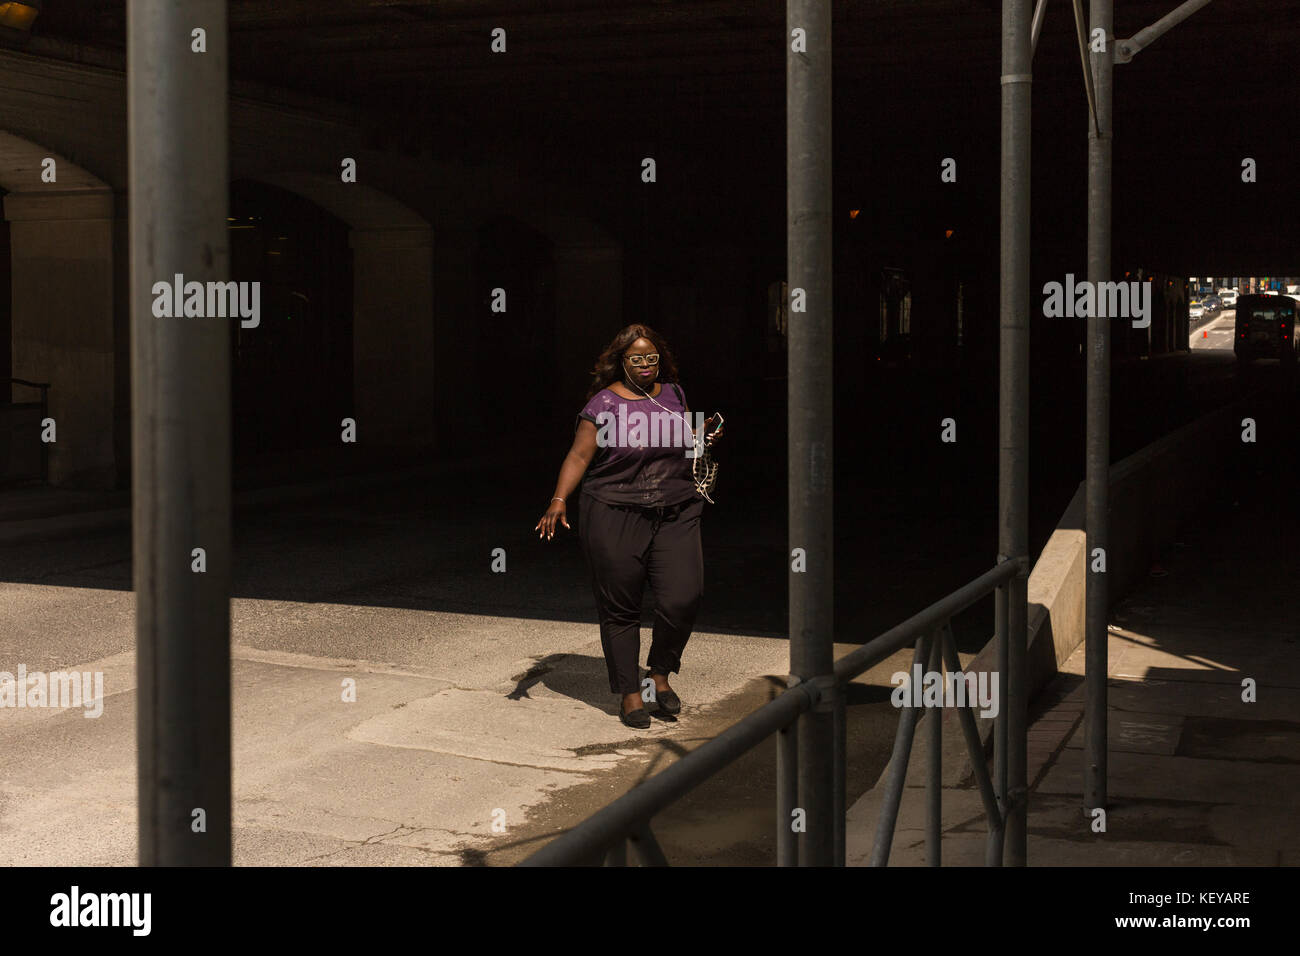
[[624, 544]]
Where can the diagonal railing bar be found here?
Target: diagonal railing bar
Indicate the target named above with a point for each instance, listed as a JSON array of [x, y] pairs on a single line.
[[978, 761], [897, 769]]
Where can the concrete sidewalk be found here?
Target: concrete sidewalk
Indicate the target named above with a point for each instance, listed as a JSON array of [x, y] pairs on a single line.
[[1197, 776], [506, 736], [482, 723]]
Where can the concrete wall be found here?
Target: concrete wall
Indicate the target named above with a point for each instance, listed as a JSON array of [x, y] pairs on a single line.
[[63, 266], [392, 336]]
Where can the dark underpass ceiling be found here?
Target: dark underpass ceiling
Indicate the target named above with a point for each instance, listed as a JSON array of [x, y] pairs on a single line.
[[587, 86]]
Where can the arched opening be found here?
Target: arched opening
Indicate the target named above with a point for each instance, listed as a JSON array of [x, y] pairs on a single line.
[[292, 375], [58, 318], [517, 352]]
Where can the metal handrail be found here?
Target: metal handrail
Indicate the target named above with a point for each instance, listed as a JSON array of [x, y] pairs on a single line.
[[607, 834], [23, 381]]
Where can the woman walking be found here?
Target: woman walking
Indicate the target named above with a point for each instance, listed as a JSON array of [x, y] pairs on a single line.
[[639, 512]]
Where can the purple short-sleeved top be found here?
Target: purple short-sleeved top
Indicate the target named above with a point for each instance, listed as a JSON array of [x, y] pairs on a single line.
[[641, 449]]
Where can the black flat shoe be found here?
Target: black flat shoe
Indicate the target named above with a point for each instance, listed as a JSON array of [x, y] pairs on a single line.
[[637, 719], [668, 701]]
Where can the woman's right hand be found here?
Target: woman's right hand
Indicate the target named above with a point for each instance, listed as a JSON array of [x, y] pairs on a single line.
[[555, 515]]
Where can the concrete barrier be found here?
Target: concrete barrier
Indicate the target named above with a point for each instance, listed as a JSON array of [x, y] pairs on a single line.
[[1152, 492]]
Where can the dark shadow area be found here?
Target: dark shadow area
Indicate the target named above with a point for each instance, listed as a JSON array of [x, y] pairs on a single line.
[[291, 375], [915, 518]]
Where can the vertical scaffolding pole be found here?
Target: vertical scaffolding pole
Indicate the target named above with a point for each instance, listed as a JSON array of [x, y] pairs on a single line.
[[1013, 400], [808, 225], [180, 418], [787, 796], [1097, 478], [1000, 604], [934, 766]]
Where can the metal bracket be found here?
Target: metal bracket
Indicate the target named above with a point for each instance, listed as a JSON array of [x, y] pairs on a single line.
[[1123, 51], [824, 691], [821, 692], [1021, 563], [1016, 798]]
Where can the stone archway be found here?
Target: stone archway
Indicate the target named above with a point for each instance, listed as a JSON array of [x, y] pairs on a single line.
[[291, 375], [392, 280], [62, 331]]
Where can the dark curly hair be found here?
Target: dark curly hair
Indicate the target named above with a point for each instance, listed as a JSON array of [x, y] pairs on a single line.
[[609, 366]]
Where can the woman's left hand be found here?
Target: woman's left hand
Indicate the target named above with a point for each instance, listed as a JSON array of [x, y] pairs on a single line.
[[711, 437]]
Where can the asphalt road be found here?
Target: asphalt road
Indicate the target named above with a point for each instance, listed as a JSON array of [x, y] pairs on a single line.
[[1216, 333]]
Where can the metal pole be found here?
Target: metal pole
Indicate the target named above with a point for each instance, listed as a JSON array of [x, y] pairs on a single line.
[[808, 225], [1000, 722], [1013, 402], [839, 756], [1097, 478], [787, 797], [180, 391], [934, 765], [1001, 603]]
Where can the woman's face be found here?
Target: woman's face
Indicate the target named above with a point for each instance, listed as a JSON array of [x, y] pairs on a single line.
[[643, 374]]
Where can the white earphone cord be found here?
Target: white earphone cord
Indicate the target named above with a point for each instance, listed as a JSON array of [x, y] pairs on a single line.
[[702, 451]]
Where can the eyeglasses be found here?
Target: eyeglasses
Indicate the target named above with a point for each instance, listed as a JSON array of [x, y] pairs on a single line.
[[639, 360]]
